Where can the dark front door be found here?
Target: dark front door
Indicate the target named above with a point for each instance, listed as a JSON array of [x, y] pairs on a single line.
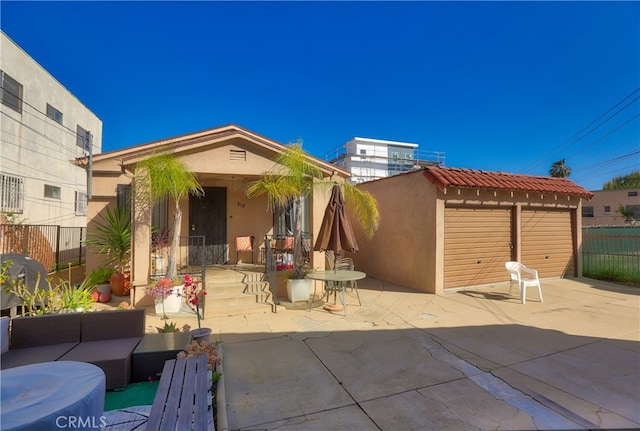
[[208, 217]]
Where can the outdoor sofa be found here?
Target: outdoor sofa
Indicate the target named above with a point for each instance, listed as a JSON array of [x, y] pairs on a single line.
[[103, 338]]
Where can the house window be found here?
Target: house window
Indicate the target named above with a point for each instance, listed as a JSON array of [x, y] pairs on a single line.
[[11, 193], [363, 154], [82, 138], [52, 192], [123, 196], [587, 211], [54, 114], [632, 194], [408, 156], [284, 218], [607, 209], [81, 203], [11, 92]]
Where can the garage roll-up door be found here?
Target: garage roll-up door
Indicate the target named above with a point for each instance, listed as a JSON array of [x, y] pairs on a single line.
[[477, 243], [547, 242]]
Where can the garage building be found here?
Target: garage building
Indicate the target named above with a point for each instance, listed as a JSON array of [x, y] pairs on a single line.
[[444, 228]]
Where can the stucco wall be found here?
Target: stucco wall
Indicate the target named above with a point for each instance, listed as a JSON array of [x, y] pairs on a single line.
[[38, 148], [403, 250]]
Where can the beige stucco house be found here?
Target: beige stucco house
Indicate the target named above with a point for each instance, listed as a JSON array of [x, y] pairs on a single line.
[[443, 228], [224, 160], [602, 210]]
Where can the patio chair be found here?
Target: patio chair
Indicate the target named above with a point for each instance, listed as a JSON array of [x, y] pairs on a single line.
[[516, 270], [245, 243]]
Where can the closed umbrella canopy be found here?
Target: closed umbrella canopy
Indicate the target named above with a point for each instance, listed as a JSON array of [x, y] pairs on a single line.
[[26, 269], [336, 233]]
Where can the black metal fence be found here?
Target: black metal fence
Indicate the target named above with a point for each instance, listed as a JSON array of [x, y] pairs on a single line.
[[54, 246], [611, 253]]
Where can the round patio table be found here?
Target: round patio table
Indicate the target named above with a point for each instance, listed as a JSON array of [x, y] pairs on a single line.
[[52, 395], [340, 277]]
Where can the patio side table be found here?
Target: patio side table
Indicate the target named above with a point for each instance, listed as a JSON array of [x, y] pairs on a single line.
[[149, 357]]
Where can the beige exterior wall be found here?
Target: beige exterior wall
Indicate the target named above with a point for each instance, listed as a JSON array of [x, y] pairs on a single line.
[[605, 204], [408, 248], [404, 249]]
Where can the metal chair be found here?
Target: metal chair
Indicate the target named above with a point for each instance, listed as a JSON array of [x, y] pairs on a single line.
[[515, 271]]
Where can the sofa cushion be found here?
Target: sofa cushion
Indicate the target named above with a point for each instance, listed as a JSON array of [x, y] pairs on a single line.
[[113, 324], [34, 355], [113, 356], [32, 331]]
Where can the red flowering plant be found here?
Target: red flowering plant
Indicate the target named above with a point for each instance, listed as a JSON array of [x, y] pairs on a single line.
[[160, 289], [194, 293]]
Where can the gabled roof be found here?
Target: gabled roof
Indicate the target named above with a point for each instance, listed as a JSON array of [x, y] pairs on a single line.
[[193, 141], [443, 177]]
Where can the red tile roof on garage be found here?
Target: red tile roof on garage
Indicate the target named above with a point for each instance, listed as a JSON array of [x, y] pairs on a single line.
[[444, 177]]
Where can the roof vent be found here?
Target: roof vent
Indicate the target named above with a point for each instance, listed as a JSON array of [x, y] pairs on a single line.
[[238, 155]]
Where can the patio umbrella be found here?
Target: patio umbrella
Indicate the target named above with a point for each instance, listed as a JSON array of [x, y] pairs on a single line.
[[336, 233], [26, 269]]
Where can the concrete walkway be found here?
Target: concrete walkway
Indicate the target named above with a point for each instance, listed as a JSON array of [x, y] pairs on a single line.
[[405, 360]]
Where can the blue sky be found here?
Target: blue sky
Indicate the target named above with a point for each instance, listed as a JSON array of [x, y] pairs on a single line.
[[495, 85]]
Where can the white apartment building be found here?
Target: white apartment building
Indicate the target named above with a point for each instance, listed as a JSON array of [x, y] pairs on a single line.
[[369, 159], [43, 126]]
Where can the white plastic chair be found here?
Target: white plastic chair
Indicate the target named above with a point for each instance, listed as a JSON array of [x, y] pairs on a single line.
[[515, 271]]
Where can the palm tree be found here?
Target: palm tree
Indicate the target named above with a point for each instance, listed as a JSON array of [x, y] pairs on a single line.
[[292, 179], [559, 169], [160, 176]]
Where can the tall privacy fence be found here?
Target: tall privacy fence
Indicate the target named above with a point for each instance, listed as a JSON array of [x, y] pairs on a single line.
[[611, 253], [54, 246]]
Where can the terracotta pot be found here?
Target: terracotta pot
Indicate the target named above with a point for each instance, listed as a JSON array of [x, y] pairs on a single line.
[[116, 281]]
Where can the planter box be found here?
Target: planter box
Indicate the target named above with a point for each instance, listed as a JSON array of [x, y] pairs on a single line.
[[299, 290], [172, 302]]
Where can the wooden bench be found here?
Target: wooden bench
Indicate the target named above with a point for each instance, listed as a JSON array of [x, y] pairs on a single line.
[[181, 401]]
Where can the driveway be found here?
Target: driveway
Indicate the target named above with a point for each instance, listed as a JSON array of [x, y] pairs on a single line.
[[472, 359]]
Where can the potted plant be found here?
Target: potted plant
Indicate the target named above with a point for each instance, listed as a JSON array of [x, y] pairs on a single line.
[[194, 295], [112, 238], [99, 278], [293, 178], [167, 294], [159, 242], [162, 175]]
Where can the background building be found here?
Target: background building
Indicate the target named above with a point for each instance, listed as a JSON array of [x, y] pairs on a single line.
[[43, 127], [370, 159], [602, 209]]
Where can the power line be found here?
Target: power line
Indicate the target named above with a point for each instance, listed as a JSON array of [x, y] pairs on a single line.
[[542, 159], [73, 132], [606, 135]]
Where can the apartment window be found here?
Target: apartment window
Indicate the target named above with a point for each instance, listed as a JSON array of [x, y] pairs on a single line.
[[82, 139], [587, 211], [52, 192], [632, 194], [54, 114], [81, 203], [607, 209], [408, 156], [11, 193], [11, 92]]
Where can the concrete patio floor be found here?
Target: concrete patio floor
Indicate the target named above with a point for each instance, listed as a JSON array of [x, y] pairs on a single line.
[[406, 360]]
